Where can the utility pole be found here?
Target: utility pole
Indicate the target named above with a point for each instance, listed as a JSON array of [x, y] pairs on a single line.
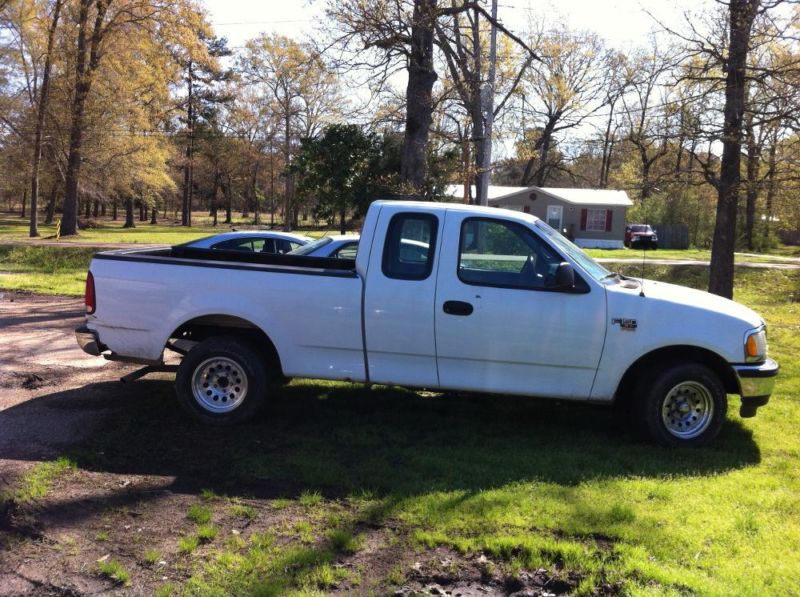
[[487, 107]]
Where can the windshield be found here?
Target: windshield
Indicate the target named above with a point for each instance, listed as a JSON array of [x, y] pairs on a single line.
[[310, 247], [640, 228], [594, 269]]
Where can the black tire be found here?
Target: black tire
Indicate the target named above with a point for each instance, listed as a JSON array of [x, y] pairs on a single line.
[[222, 381], [680, 405]]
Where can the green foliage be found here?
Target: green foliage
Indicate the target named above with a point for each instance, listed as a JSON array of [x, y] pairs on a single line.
[[340, 169]]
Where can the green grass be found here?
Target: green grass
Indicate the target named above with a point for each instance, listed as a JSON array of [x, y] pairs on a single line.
[[113, 570], [530, 483], [36, 482], [206, 533], [45, 270], [199, 514], [188, 544], [152, 556], [243, 511], [168, 232]]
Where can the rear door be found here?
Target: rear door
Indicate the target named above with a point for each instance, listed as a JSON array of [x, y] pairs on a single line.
[[500, 325], [399, 297]]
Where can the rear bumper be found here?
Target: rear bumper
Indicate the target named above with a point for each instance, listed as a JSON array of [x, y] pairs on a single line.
[[89, 341], [757, 383]]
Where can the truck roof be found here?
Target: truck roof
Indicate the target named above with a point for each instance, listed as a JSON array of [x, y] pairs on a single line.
[[461, 208]]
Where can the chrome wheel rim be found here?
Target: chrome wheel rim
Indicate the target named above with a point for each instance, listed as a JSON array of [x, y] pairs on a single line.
[[219, 385], [687, 410]]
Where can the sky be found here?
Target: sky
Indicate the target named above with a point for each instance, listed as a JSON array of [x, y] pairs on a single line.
[[622, 23]]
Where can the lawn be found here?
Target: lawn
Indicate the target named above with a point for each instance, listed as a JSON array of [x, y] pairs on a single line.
[[169, 232], [530, 484]]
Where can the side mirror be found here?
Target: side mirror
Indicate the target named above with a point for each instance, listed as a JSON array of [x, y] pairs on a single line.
[[565, 277]]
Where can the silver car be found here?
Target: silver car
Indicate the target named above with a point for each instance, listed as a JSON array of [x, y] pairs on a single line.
[[253, 241]]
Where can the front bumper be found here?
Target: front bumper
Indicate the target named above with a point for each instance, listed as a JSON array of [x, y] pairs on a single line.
[[756, 382], [89, 341]]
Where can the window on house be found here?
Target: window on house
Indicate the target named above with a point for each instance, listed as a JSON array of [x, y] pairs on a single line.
[[596, 220]]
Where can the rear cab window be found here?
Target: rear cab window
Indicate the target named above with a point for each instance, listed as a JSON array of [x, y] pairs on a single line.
[[408, 253]]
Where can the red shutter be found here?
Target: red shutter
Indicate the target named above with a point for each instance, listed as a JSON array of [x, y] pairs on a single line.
[[609, 216], [584, 215]]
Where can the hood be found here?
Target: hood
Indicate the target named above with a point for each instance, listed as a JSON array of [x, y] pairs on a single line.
[[694, 299]]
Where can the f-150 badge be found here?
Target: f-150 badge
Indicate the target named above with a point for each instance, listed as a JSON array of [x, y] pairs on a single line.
[[625, 324]]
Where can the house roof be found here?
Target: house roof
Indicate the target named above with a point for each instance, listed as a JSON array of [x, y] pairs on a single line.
[[457, 191], [575, 196]]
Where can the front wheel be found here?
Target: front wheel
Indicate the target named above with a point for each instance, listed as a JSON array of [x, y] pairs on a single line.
[[682, 405], [222, 381]]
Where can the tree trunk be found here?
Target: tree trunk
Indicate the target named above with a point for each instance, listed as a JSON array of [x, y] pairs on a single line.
[[484, 170], [289, 188], [419, 97], [771, 168], [41, 110], [51, 205], [142, 214], [214, 193], [96, 209], [752, 166], [608, 143], [154, 214], [87, 213], [103, 209], [114, 210], [188, 169], [24, 202], [342, 219], [84, 71], [129, 221], [742, 13], [228, 192]]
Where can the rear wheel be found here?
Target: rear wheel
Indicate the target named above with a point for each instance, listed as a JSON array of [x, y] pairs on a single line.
[[222, 381], [682, 405]]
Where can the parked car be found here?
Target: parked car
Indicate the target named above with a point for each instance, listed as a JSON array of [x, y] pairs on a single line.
[[253, 241], [488, 300], [338, 246], [640, 235], [346, 247]]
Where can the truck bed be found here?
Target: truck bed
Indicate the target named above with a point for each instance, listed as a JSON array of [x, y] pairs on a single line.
[[190, 256]]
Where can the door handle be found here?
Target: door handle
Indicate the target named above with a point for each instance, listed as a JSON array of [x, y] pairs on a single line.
[[457, 308]]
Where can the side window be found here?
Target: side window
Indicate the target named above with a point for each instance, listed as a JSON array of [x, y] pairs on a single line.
[[235, 244], [269, 245], [409, 248], [498, 253], [347, 251]]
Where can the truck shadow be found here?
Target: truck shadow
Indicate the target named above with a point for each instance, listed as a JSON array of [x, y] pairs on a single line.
[[341, 439]]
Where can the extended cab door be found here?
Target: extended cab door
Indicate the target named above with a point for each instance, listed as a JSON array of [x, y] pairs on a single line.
[[399, 297], [500, 326]]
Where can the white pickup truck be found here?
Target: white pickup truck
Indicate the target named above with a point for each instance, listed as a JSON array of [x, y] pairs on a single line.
[[439, 296]]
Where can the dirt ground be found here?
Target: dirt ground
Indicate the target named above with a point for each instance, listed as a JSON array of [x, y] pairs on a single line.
[[55, 400]]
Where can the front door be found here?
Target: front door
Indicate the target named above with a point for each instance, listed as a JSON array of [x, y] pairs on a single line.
[[399, 299], [499, 325]]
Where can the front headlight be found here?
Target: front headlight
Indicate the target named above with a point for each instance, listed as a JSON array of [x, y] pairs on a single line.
[[755, 345]]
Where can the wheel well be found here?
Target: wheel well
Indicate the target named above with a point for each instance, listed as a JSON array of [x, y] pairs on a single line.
[[673, 354], [206, 326]]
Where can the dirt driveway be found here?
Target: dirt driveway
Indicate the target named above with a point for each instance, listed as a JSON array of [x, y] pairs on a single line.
[[120, 513], [39, 356]]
